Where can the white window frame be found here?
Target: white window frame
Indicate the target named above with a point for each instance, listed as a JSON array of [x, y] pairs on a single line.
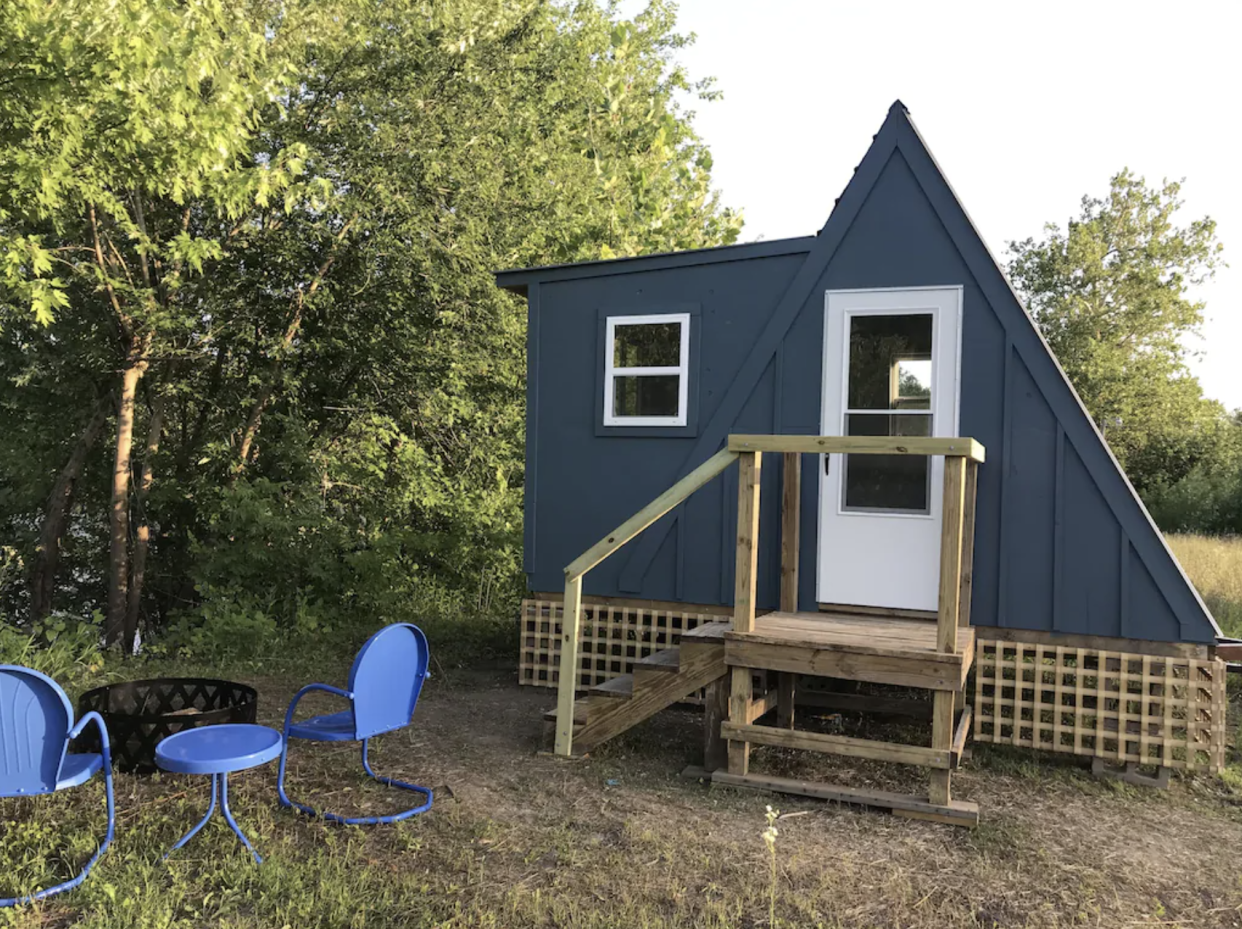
[[682, 369]]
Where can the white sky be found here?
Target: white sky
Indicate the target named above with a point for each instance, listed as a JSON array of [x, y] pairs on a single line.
[[1026, 108]]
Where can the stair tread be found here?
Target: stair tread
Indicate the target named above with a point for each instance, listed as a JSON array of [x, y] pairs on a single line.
[[667, 661], [583, 707], [622, 686], [706, 633]]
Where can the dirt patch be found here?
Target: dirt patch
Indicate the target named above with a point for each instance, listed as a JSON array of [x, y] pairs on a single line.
[[1055, 846]]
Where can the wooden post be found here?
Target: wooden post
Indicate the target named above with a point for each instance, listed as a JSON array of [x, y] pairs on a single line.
[[739, 714], [567, 685], [951, 553], [748, 482], [791, 542], [715, 711], [791, 530], [951, 531], [968, 544], [741, 690]]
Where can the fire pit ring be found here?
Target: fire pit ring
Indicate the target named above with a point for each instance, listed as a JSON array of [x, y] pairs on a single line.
[[141, 714]]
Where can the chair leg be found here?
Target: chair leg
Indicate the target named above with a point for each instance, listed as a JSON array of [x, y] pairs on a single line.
[[401, 785], [86, 868], [356, 820]]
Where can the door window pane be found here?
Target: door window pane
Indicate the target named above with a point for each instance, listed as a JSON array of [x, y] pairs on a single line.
[[645, 395], [890, 362], [888, 483], [648, 345]]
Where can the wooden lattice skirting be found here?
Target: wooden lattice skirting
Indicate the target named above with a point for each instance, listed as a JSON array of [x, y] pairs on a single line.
[[1117, 706], [614, 636]]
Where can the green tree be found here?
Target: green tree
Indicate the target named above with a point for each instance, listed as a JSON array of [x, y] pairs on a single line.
[[305, 324], [1111, 295], [125, 153]]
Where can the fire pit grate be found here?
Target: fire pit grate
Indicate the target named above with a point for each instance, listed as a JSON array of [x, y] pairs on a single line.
[[141, 714]]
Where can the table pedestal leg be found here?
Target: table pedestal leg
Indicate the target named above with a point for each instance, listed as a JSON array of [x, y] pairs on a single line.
[[220, 786], [228, 815], [202, 822]]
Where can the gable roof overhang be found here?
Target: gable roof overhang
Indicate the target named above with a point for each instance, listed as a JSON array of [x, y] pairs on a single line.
[[517, 279]]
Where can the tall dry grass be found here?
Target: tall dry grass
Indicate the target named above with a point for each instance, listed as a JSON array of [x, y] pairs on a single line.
[[1215, 566]]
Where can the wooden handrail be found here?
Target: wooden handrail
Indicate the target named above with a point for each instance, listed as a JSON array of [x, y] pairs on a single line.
[[571, 612], [650, 513], [858, 445]]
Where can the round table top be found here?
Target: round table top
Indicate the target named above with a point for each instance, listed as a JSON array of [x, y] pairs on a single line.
[[218, 749]]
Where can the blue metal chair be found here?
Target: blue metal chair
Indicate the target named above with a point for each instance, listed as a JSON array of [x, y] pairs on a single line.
[[36, 724], [384, 684]]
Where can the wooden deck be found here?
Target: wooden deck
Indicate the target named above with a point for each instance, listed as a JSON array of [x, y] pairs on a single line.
[[933, 655], [881, 650]]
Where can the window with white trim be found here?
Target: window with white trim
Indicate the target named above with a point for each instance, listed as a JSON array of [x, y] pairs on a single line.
[[646, 370]]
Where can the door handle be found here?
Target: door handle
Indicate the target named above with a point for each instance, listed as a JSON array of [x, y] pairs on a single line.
[[827, 460]]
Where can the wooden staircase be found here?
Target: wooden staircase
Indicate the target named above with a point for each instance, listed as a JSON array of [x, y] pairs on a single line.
[[659, 680]]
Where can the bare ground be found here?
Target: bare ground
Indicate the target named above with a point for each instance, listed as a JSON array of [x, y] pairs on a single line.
[[1055, 846]]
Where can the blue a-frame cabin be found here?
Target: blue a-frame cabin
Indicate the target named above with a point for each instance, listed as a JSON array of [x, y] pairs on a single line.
[[1062, 543], [893, 320]]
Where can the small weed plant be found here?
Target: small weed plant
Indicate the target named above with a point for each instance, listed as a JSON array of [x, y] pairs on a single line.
[[769, 839]]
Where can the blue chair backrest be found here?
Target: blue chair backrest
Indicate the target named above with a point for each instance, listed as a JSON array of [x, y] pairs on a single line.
[[35, 719], [386, 679]]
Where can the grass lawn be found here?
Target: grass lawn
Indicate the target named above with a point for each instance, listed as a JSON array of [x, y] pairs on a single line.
[[518, 839], [1215, 566]]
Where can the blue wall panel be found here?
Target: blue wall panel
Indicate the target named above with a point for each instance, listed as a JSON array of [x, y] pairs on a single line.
[[1090, 588]]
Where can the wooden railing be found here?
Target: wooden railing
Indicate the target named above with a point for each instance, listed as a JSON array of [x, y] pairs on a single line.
[[748, 449], [962, 458], [571, 615]]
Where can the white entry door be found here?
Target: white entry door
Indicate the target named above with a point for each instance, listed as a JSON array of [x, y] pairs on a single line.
[[890, 369]]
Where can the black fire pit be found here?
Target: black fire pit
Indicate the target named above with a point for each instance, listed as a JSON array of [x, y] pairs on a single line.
[[141, 714]]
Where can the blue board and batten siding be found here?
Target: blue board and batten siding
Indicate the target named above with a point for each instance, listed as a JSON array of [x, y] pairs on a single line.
[[1062, 543]]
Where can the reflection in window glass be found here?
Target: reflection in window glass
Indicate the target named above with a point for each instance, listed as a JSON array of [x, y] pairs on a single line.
[[651, 345], [890, 362], [912, 390], [645, 395]]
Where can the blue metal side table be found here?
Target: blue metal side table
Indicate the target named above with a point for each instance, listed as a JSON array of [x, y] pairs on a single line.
[[217, 750]]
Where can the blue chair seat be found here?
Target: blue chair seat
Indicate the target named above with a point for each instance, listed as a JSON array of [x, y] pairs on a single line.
[[333, 727], [76, 770]]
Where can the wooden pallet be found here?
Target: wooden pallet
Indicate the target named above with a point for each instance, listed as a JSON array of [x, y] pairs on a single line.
[[1121, 707]]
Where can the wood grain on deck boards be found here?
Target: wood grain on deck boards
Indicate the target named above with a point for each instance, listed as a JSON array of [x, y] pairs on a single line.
[[872, 635]]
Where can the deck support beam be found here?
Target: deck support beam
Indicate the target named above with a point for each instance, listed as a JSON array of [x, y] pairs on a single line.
[[740, 697], [715, 713]]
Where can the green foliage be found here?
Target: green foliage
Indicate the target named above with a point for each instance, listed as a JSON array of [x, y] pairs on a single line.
[[64, 648], [299, 233], [1110, 295], [110, 105]]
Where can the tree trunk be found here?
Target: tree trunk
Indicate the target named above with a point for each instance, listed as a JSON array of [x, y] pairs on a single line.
[[142, 535], [286, 344], [59, 504], [118, 558]]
